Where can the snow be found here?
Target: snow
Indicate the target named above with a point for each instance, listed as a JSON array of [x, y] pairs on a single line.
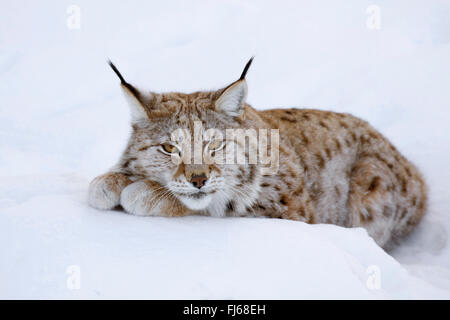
[[63, 121]]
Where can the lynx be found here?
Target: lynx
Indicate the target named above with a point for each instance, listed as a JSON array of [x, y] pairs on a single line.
[[333, 167]]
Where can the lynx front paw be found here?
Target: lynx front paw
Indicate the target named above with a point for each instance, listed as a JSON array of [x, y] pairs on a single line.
[[143, 198], [104, 191]]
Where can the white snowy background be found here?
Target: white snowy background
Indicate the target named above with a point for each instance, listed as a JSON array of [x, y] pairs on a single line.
[[63, 121]]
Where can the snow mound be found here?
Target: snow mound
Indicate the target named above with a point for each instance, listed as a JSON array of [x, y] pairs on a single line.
[[48, 239]]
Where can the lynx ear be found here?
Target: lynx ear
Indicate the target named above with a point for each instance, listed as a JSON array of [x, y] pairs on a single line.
[[232, 99], [139, 103]]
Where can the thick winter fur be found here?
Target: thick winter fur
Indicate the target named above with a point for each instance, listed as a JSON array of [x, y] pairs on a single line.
[[333, 167]]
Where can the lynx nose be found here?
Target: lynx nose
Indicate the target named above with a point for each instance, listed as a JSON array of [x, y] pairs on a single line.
[[199, 180]]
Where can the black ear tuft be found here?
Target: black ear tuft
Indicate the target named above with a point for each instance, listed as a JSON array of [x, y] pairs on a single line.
[[132, 89], [122, 80], [249, 63]]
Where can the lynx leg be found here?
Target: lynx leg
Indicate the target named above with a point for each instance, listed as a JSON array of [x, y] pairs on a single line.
[[385, 199], [412, 209], [148, 198], [104, 191], [372, 199]]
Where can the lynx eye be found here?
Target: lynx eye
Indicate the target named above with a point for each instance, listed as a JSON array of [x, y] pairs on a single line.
[[169, 148]]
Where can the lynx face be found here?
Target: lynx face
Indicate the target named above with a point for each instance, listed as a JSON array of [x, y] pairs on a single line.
[[171, 163], [180, 141]]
